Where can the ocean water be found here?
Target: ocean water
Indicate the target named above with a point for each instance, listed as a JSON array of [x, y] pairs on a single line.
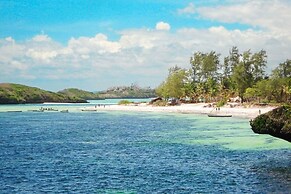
[[118, 152]]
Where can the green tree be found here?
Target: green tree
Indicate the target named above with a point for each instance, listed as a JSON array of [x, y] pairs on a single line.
[[196, 66], [210, 65], [241, 79], [270, 90], [176, 82], [259, 62], [283, 70], [174, 85], [227, 85], [282, 75], [212, 88], [251, 94], [249, 71], [162, 90], [204, 68]]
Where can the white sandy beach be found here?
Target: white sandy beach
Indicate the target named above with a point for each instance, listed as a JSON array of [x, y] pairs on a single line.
[[199, 108], [238, 111]]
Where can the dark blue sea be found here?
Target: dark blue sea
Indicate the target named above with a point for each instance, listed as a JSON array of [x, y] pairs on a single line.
[[117, 152]]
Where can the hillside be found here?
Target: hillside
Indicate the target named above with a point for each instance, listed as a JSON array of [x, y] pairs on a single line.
[[77, 93], [276, 123], [20, 94], [127, 92]]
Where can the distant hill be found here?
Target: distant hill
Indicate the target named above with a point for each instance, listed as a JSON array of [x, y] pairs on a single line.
[[19, 94], [77, 93], [127, 92]]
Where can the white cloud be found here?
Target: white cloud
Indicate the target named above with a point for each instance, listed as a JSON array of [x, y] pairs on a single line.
[[142, 38], [10, 39], [42, 49], [189, 9], [9, 49], [163, 26], [42, 55], [271, 15], [41, 38], [18, 65], [99, 44]]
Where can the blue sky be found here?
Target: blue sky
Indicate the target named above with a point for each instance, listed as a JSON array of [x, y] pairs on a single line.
[[62, 20], [93, 45]]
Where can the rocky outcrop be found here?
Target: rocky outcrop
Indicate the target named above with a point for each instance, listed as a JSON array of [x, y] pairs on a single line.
[[133, 91], [276, 123]]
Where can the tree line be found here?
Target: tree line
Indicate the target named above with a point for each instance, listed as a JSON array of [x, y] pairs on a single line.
[[239, 74]]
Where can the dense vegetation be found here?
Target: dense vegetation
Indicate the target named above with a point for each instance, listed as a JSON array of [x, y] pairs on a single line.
[[132, 91], [240, 74], [20, 94], [276, 123], [77, 93], [17, 94], [124, 102]]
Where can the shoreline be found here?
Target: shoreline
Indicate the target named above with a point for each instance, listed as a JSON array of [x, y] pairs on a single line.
[[236, 110], [239, 111]]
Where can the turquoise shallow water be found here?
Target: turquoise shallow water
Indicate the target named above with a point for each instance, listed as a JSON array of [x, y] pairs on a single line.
[[117, 152]]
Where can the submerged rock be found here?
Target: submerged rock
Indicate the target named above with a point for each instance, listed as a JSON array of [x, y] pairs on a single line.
[[276, 123]]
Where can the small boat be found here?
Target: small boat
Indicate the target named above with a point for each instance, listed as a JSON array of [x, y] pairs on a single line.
[[88, 109], [49, 109], [14, 111], [64, 111], [40, 110], [219, 115]]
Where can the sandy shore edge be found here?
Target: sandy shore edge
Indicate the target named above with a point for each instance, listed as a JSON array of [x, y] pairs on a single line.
[[239, 111]]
